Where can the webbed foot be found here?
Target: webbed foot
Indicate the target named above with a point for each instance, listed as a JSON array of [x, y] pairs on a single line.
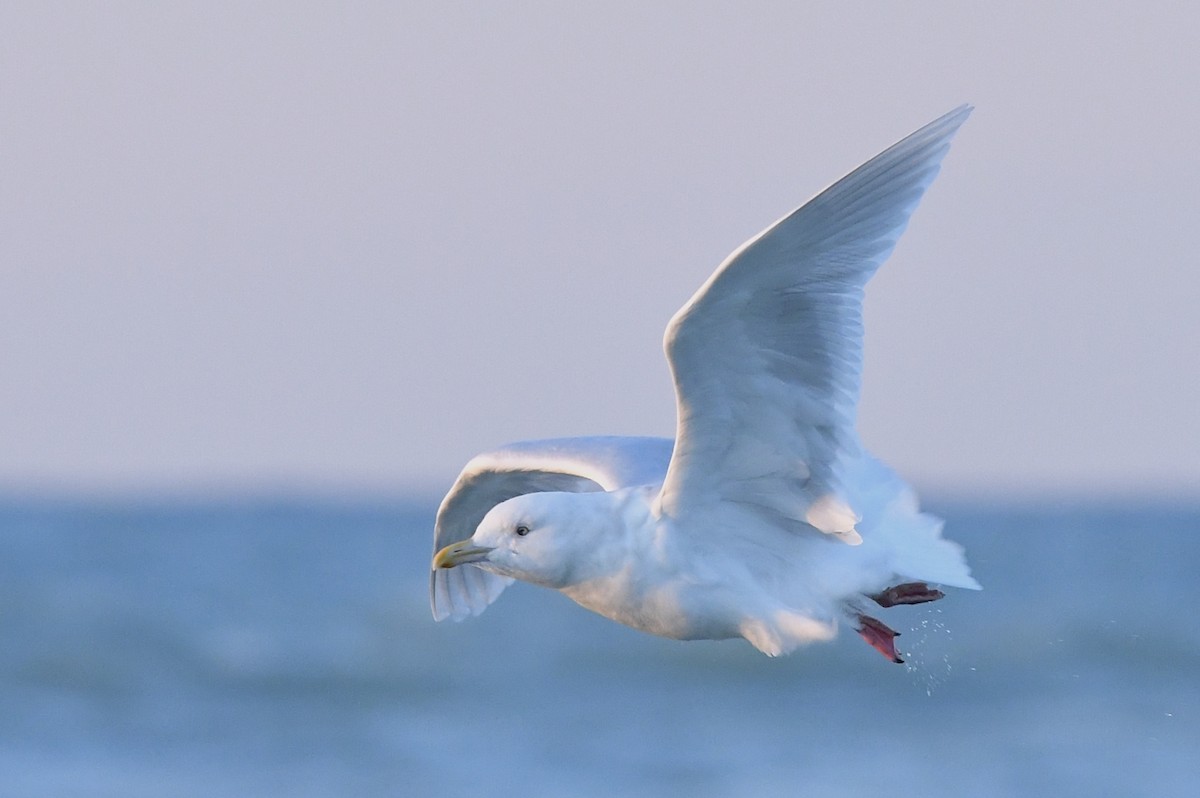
[[879, 636], [907, 593]]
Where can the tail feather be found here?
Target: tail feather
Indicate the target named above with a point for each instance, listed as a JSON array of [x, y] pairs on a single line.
[[925, 555], [913, 539]]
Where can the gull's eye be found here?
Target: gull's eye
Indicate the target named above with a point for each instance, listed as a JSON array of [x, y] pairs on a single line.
[[522, 530]]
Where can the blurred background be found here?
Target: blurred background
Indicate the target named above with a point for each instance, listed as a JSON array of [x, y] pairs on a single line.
[[273, 272]]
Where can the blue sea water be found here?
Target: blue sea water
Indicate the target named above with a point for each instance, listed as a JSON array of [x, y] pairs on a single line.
[[285, 648]]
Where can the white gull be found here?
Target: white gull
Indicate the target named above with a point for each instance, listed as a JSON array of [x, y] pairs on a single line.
[[765, 518]]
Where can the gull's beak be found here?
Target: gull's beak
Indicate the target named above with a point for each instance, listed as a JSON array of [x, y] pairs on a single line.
[[460, 553]]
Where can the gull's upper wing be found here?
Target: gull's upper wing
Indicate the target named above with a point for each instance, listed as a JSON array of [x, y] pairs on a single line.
[[564, 464], [767, 355]]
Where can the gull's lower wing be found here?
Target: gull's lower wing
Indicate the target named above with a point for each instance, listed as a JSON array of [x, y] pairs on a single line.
[[767, 355], [563, 464]]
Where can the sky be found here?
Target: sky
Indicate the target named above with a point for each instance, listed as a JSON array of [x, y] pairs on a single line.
[[299, 246]]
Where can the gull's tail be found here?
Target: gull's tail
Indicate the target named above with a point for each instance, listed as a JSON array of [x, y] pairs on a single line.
[[913, 542]]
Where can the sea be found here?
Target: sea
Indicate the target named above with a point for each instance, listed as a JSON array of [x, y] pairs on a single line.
[[283, 646]]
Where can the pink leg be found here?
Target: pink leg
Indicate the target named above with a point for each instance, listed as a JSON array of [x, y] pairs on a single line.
[[907, 593], [879, 636]]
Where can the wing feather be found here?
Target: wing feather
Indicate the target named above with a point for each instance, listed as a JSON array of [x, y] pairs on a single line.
[[767, 355]]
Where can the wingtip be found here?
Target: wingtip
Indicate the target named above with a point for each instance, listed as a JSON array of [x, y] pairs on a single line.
[[850, 537], [834, 517], [953, 119]]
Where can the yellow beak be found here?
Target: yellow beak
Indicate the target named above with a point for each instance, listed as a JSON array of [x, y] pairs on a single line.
[[460, 553]]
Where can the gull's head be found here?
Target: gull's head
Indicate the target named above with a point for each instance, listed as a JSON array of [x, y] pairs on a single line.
[[539, 538]]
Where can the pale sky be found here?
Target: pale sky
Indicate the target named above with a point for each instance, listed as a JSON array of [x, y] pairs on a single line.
[[308, 246]]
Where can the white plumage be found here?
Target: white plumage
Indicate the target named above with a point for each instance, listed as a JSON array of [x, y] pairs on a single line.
[[764, 518]]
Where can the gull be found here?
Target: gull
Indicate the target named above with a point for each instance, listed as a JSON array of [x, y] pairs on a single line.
[[764, 518]]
